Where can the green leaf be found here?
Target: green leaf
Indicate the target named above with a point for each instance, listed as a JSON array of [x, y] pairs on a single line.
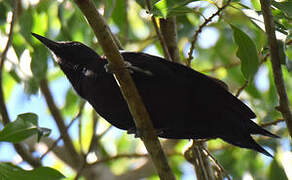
[[23, 127], [31, 86], [284, 6], [18, 43], [119, 15], [39, 62], [276, 171], [14, 75], [256, 5], [166, 8], [246, 52], [71, 104], [282, 52], [26, 23], [9, 171], [3, 14]]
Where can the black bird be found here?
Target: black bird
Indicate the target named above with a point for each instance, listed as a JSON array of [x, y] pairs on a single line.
[[182, 103]]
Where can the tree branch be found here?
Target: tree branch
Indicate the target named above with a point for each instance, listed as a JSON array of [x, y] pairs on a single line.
[[76, 159], [20, 149], [276, 65], [159, 34], [69, 125], [169, 30], [3, 108], [275, 122], [127, 86]]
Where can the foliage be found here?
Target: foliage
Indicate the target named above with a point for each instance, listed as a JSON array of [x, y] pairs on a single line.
[[231, 47]]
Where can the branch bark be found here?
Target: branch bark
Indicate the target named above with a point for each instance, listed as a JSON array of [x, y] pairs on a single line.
[[159, 34], [276, 65], [169, 30], [127, 86]]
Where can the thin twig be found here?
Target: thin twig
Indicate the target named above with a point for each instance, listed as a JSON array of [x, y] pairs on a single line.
[[159, 34], [83, 166], [130, 155], [241, 88], [80, 128], [227, 66], [195, 37], [276, 65], [218, 165], [3, 108], [275, 122], [79, 114], [194, 156], [94, 138], [60, 123], [104, 132]]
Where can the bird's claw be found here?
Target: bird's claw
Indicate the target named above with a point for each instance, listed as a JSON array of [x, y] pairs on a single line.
[[109, 68], [138, 133]]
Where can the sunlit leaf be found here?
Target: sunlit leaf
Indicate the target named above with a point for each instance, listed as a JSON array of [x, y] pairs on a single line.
[[246, 52], [26, 23], [276, 172], [23, 127], [72, 102], [31, 86], [165, 8], [39, 61], [9, 171], [18, 43], [282, 52], [285, 6], [256, 5], [119, 15]]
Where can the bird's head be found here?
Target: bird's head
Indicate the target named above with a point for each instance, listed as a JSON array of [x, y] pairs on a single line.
[[70, 54], [75, 59]]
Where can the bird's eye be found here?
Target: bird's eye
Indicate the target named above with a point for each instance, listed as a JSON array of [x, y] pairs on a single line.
[[76, 67], [84, 70], [88, 72]]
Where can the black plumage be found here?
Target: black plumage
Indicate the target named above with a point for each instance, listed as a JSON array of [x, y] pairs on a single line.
[[182, 103]]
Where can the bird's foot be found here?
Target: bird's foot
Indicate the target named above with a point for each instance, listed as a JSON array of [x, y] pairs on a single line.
[[109, 68], [139, 134]]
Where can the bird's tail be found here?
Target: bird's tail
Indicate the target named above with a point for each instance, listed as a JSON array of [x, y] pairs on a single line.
[[246, 142], [253, 128]]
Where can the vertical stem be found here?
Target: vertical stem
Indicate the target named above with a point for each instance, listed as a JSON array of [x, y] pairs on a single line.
[[169, 30], [276, 65]]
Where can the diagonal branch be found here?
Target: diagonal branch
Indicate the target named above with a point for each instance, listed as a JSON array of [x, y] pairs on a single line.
[[276, 66], [128, 89], [76, 158], [78, 115]]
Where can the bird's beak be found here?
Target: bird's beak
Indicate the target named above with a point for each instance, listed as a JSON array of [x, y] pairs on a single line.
[[52, 45]]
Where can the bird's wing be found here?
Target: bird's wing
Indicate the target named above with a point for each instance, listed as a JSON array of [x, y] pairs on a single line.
[[211, 91]]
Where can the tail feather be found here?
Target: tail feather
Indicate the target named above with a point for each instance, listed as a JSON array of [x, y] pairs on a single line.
[[253, 128], [246, 142]]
